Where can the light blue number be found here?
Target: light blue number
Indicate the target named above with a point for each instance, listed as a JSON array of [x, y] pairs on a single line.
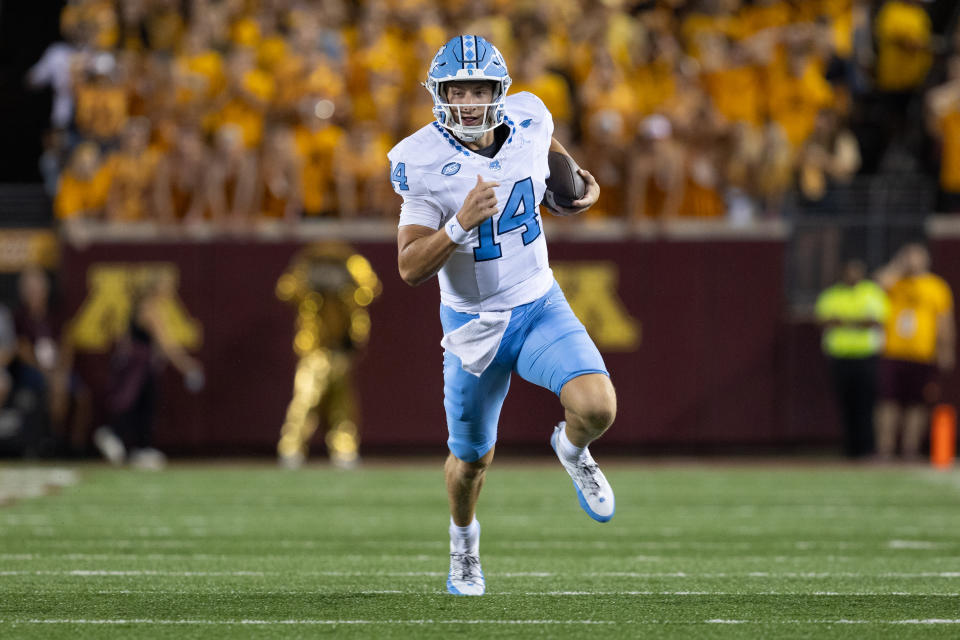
[[399, 175], [514, 218], [489, 248], [520, 211]]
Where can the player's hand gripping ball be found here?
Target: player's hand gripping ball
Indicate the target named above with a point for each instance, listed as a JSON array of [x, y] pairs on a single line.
[[564, 185]]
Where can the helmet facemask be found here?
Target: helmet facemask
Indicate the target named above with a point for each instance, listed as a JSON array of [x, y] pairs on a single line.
[[450, 115]]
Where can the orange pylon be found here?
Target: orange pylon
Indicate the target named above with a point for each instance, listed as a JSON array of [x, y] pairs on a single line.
[[943, 436]]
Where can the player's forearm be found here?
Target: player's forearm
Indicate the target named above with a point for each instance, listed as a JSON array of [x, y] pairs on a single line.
[[420, 259]]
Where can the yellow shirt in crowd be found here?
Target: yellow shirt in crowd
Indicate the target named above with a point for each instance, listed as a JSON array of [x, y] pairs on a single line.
[[915, 305], [903, 36], [77, 196]]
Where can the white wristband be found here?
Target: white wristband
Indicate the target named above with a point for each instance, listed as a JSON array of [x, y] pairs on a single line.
[[457, 233]]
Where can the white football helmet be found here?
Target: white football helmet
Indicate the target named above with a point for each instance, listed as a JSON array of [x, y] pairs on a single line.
[[468, 58]]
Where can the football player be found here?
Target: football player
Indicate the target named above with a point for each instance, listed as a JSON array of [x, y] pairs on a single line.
[[471, 184]]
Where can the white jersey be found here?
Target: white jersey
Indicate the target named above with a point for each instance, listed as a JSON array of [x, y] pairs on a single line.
[[503, 264]]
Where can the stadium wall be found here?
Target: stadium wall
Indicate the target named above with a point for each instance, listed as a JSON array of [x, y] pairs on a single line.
[[693, 330]]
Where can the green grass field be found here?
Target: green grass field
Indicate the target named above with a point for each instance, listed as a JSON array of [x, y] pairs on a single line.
[[704, 551]]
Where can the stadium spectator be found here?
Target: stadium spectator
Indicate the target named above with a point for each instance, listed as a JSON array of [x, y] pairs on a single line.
[[903, 33], [180, 182], [132, 169], [231, 179], [43, 345], [23, 417], [133, 391], [55, 69], [102, 98], [920, 341], [852, 314], [943, 122], [279, 192], [654, 187], [829, 157], [84, 185], [8, 351]]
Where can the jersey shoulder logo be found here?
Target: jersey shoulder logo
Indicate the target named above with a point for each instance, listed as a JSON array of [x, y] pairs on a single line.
[[450, 168], [526, 123]]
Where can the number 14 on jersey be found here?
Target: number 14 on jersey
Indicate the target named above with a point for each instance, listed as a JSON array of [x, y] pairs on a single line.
[[520, 211]]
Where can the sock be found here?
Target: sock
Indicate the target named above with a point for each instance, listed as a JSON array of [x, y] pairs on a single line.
[[465, 539], [569, 451]]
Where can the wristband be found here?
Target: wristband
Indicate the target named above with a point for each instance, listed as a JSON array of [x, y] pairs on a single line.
[[455, 231]]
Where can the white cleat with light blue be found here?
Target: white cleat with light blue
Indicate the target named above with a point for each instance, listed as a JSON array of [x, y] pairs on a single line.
[[466, 576], [593, 490]]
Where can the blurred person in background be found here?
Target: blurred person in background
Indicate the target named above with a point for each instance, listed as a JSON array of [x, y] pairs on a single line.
[[55, 69], [943, 123], [655, 184], [43, 345], [246, 100], [319, 144], [133, 388], [920, 341], [83, 187], [797, 91], [365, 192], [279, 191], [829, 158], [903, 34], [180, 182], [132, 169], [231, 180], [23, 415], [101, 95], [330, 285], [852, 314]]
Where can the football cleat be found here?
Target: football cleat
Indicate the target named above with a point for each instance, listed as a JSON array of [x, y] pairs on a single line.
[[593, 490], [466, 576]]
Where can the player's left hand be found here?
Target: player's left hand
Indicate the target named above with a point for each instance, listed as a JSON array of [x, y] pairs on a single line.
[[589, 198]]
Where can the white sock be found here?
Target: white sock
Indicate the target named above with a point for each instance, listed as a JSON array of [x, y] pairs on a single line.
[[465, 539], [569, 451]]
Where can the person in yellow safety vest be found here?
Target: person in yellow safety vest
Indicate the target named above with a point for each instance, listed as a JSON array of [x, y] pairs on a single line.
[[330, 285], [852, 313], [920, 345]]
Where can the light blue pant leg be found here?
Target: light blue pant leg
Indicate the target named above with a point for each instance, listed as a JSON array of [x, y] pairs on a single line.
[[557, 347], [473, 407]]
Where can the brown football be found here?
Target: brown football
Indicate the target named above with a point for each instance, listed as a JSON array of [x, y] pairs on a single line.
[[564, 184]]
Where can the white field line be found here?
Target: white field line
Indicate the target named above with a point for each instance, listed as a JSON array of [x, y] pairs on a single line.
[[147, 621], [885, 594], [313, 622], [517, 574]]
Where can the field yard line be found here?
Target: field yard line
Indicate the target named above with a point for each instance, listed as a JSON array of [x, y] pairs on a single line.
[[148, 621], [732, 593], [309, 622], [521, 574], [925, 594]]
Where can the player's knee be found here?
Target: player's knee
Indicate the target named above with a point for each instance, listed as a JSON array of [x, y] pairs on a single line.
[[593, 400], [472, 469], [600, 416]]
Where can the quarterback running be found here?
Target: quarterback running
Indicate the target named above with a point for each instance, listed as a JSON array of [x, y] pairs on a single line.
[[472, 182]]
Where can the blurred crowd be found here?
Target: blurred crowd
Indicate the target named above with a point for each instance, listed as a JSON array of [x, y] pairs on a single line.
[[234, 111]]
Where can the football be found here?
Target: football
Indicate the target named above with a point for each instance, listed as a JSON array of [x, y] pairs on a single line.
[[564, 184]]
